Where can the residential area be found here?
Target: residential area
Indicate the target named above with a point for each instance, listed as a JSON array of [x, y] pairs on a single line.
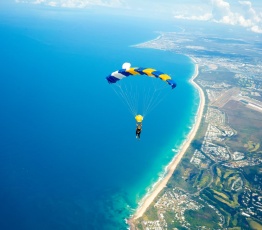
[[218, 184]]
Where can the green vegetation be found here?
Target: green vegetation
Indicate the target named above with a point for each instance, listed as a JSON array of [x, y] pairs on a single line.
[[220, 75], [252, 146], [230, 202], [218, 171], [227, 173], [185, 176], [249, 131], [227, 202], [222, 190], [221, 194], [150, 214], [203, 179], [231, 180], [203, 217], [169, 216]]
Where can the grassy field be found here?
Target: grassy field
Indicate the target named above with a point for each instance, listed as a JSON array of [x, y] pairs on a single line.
[[247, 123], [223, 178], [203, 179], [220, 75], [203, 217]]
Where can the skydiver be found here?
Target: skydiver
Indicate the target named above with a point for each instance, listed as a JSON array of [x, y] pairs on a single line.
[[138, 130]]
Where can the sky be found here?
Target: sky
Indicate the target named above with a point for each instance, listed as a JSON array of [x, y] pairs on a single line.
[[247, 14], [242, 13]]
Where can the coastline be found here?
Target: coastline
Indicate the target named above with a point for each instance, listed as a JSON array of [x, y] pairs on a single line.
[[148, 199]]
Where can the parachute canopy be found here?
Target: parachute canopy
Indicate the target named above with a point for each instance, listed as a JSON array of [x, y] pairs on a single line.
[[141, 94], [132, 71], [139, 118]]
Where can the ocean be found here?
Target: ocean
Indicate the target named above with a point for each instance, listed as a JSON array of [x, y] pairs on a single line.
[[69, 158]]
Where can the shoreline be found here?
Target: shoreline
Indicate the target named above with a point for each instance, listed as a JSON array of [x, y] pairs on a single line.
[[148, 199]]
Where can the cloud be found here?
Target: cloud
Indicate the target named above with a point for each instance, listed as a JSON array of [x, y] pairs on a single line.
[[75, 3], [240, 13], [204, 17], [222, 12]]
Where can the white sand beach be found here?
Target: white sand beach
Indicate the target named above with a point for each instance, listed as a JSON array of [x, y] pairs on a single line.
[[177, 158]]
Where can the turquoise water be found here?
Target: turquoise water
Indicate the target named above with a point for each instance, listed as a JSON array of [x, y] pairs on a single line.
[[68, 154]]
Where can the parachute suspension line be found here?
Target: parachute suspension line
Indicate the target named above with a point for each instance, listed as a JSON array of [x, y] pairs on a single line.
[[145, 96], [138, 97], [150, 102], [163, 92], [132, 95], [129, 99], [155, 97], [149, 96], [141, 97], [125, 98], [135, 97], [152, 96], [145, 101], [119, 93], [157, 102], [158, 85]]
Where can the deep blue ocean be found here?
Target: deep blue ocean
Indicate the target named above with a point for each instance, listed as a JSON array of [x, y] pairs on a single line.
[[69, 158]]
